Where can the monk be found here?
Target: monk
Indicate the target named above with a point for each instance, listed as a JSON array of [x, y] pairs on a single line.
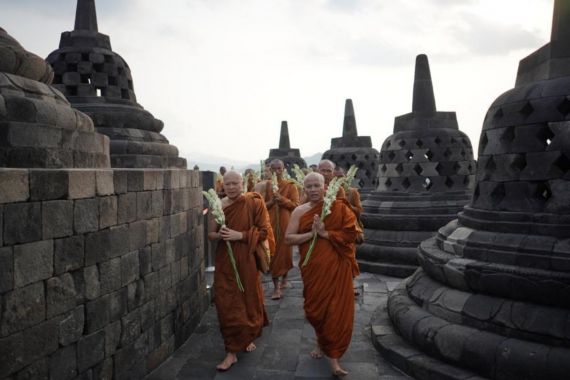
[[250, 180], [241, 314], [326, 169], [280, 205], [352, 193], [327, 277], [219, 185]]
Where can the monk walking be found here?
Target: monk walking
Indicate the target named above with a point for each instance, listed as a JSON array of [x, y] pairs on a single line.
[[241, 314], [280, 204], [327, 277], [326, 169]]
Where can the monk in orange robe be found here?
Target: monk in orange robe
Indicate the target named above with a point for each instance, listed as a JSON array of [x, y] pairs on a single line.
[[250, 180], [241, 314], [280, 205], [219, 184], [326, 169], [327, 277]]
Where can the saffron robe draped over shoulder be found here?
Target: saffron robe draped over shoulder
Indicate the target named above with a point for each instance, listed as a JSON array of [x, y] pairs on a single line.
[[327, 278], [242, 314], [280, 214]]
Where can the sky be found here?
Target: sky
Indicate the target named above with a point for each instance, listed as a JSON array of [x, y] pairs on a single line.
[[223, 74]]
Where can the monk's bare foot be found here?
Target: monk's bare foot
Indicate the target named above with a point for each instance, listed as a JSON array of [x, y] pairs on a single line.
[[276, 294], [285, 284], [251, 347], [229, 360], [336, 369], [316, 353]]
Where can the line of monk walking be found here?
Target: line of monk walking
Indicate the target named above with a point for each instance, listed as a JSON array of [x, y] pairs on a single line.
[[283, 215]]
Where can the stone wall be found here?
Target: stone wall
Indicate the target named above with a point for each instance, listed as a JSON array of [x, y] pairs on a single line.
[[101, 271]]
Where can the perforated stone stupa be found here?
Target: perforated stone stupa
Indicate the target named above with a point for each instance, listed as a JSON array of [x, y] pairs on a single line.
[[493, 295], [426, 175], [38, 126], [289, 156], [98, 82], [351, 149]]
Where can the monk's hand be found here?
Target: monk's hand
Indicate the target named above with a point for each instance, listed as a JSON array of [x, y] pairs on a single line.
[[229, 234], [277, 197]]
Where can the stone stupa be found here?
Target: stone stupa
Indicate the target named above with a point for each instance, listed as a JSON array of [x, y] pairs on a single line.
[[351, 149], [39, 128], [492, 299], [426, 176], [98, 82], [289, 156]]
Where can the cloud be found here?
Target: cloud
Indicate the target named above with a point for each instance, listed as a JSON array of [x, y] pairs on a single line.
[[482, 37]]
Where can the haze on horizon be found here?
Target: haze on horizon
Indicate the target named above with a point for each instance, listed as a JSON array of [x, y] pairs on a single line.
[[223, 74]]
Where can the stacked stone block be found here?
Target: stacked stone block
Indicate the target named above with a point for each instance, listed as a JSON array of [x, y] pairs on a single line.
[[289, 156], [98, 82], [492, 297], [425, 177], [351, 149], [101, 271]]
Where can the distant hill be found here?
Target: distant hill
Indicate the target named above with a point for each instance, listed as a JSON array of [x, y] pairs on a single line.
[[213, 163]]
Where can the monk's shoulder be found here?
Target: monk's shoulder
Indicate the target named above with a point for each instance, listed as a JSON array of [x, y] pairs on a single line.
[[301, 209]]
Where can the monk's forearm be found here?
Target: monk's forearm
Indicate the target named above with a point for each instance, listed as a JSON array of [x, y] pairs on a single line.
[[296, 239], [214, 236]]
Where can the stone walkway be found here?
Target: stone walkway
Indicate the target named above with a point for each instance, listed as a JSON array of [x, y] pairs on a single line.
[[283, 351]]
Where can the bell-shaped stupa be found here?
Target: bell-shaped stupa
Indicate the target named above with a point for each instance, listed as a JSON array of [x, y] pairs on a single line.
[[351, 149], [38, 126], [426, 175], [492, 298], [98, 82], [289, 156]]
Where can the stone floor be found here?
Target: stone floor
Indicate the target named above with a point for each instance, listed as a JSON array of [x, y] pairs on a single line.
[[283, 351]]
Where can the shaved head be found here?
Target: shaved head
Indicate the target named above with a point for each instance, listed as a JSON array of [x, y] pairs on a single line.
[[326, 168], [313, 175], [232, 174], [276, 162]]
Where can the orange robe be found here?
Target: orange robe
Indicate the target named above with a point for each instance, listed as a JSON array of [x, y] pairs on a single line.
[[282, 260], [242, 315], [354, 200], [219, 187], [327, 278]]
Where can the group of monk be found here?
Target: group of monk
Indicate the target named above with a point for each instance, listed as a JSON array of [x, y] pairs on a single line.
[[286, 216]]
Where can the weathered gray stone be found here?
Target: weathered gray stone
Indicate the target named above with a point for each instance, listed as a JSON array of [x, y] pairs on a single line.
[[136, 294], [98, 247], [104, 182], [107, 211], [22, 222], [90, 350], [49, 184], [25, 307], [147, 315], [41, 340], [137, 235], [14, 185], [12, 354], [119, 240], [97, 313], [130, 269], [136, 180], [33, 262], [91, 281], [118, 304], [110, 275], [63, 364], [104, 371], [82, 184], [131, 327], [152, 285], [144, 205], [71, 326], [38, 370], [145, 260], [157, 200], [152, 230], [127, 208], [69, 254], [165, 276], [120, 181], [86, 215], [57, 219], [7, 269], [61, 295], [112, 337]]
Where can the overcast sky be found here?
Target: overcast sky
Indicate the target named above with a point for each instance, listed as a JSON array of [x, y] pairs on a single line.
[[222, 74]]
